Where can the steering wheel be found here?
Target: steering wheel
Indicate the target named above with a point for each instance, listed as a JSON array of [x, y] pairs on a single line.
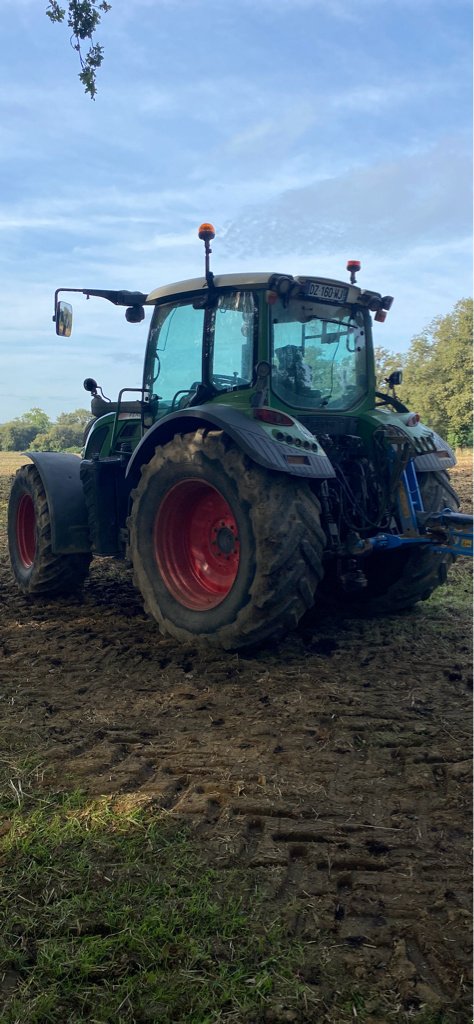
[[223, 380]]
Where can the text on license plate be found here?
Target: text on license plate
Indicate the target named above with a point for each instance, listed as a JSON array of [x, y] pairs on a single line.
[[326, 292]]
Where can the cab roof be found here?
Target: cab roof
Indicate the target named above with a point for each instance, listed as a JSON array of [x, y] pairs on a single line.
[[197, 284], [249, 280]]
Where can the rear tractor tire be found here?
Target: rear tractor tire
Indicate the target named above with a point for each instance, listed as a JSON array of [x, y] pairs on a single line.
[[397, 580], [223, 550], [38, 572]]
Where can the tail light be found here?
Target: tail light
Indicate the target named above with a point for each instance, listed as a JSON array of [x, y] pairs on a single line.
[[273, 416]]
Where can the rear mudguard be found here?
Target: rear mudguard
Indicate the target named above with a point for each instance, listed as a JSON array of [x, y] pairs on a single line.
[[59, 472], [441, 458], [247, 433]]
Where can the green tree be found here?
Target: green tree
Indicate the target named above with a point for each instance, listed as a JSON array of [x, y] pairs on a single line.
[[35, 417], [437, 379], [453, 361], [34, 430], [16, 436], [66, 433], [83, 17], [78, 418], [60, 438], [19, 433]]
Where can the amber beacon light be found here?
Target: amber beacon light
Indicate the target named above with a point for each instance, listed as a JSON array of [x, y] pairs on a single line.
[[206, 232]]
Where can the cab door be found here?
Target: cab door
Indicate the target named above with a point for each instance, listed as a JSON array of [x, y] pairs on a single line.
[[174, 363], [231, 341]]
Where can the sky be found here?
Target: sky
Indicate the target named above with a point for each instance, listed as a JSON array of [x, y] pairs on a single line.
[[308, 132]]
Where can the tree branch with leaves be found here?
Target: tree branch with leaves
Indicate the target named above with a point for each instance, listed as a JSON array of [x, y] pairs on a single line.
[[83, 17]]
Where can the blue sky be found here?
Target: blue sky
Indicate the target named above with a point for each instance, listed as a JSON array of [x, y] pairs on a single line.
[[307, 131]]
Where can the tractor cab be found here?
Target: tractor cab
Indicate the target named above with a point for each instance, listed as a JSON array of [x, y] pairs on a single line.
[[296, 344]]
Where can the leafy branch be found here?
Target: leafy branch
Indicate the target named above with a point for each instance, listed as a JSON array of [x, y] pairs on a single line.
[[83, 17]]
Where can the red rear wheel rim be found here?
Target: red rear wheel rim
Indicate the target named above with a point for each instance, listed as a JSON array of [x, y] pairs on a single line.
[[26, 530], [196, 545]]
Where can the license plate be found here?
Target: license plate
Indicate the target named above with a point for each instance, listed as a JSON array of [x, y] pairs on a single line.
[[326, 292]]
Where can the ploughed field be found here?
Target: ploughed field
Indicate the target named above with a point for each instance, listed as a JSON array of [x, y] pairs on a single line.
[[333, 766]]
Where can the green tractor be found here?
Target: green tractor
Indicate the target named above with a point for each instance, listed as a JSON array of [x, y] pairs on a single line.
[[256, 476]]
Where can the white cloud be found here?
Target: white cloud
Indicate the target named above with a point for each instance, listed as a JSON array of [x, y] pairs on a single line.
[[406, 201]]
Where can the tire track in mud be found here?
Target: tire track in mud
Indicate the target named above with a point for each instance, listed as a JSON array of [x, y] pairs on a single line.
[[332, 766]]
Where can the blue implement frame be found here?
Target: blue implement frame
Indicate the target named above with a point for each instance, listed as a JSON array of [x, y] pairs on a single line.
[[445, 532]]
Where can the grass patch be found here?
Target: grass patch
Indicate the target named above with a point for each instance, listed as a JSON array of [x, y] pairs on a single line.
[[111, 914], [11, 461], [454, 598]]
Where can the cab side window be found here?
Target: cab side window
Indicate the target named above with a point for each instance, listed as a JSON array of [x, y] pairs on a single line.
[[234, 324], [176, 334]]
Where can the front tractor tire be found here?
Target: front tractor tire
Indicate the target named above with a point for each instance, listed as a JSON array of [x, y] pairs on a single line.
[[223, 550], [37, 570]]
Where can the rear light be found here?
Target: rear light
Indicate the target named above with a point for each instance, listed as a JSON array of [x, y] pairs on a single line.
[[412, 419], [298, 460], [273, 416], [380, 315]]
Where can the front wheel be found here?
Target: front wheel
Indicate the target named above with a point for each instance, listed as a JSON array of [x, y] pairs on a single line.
[[221, 549], [38, 571]]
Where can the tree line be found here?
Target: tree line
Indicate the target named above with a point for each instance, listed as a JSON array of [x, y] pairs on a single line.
[[437, 374], [35, 431]]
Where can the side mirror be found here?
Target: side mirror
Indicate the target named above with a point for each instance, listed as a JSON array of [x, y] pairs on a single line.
[[395, 379], [63, 319]]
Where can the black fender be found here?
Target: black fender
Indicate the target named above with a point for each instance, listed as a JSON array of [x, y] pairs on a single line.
[[247, 433], [59, 472]]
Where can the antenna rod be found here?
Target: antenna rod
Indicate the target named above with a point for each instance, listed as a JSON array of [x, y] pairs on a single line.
[[208, 251]]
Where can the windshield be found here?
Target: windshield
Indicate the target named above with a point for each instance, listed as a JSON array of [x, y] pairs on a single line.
[[318, 354]]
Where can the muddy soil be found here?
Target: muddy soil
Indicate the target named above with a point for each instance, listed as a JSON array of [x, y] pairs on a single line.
[[334, 766]]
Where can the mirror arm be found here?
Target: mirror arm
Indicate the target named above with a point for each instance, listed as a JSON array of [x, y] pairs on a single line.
[[58, 290], [119, 298], [388, 399]]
